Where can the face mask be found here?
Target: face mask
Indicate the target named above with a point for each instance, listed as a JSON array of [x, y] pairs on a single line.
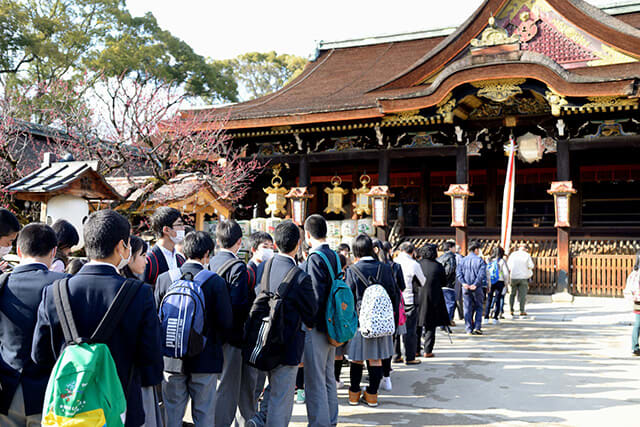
[[179, 237], [5, 250], [123, 261], [264, 254]]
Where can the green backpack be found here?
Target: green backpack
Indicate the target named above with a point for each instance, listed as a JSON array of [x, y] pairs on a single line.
[[84, 387]]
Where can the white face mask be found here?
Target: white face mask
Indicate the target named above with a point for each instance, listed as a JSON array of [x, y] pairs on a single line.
[[179, 237], [5, 250], [124, 261], [264, 254]]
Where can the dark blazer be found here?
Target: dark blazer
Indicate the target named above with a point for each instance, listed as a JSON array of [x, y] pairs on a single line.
[[299, 306], [369, 268], [432, 309], [134, 344], [252, 271], [237, 282], [157, 264], [321, 281], [218, 317], [19, 301]]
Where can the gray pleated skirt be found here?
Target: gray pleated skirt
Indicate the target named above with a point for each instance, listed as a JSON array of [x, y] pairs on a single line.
[[342, 350], [360, 348]]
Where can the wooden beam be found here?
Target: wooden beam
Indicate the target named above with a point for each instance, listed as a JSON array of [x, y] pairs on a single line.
[[627, 141]]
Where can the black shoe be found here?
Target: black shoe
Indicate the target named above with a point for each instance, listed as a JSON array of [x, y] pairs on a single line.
[[477, 332], [636, 352]]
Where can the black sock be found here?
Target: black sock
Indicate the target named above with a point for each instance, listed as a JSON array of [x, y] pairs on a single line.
[[375, 375], [300, 379], [386, 367], [355, 373], [337, 368]]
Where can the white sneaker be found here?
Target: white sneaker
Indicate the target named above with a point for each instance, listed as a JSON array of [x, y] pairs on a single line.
[[339, 385], [495, 321], [385, 384]]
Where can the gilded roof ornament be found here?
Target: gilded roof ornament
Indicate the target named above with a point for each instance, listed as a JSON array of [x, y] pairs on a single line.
[[494, 36], [556, 102], [499, 90]]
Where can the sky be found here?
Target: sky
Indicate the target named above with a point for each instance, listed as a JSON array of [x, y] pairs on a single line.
[[225, 29]]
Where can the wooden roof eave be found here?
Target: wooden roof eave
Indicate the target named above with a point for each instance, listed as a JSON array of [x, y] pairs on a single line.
[[559, 80], [589, 18]]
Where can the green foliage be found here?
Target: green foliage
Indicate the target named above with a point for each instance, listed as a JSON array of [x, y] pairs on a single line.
[[263, 73]]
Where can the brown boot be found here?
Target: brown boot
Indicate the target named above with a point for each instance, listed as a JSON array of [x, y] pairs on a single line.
[[370, 399], [354, 397]]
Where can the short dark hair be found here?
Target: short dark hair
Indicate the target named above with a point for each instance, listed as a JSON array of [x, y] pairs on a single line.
[[8, 223], [103, 230], [498, 253], [37, 240], [287, 236], [407, 247], [343, 247], [363, 246], [343, 260], [446, 246], [164, 217], [197, 244], [428, 251], [188, 229], [228, 233], [66, 234], [138, 245], [474, 245], [387, 247], [316, 225], [259, 237]]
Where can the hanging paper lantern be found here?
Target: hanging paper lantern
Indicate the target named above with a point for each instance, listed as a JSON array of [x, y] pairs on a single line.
[[380, 204], [336, 194], [299, 196]]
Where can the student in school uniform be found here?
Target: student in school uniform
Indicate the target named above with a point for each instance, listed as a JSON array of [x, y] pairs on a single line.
[[360, 349], [321, 395], [67, 237], [236, 389], [135, 342], [299, 307], [23, 381], [169, 229], [196, 377], [9, 227]]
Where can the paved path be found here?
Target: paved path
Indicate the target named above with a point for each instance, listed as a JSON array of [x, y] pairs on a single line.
[[567, 365]]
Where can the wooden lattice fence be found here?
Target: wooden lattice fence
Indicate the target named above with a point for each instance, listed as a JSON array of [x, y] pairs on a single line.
[[600, 275]]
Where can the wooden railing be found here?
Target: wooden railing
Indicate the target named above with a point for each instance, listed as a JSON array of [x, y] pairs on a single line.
[[600, 275], [544, 276]]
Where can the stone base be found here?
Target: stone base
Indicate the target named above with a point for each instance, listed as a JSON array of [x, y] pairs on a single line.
[[562, 297]]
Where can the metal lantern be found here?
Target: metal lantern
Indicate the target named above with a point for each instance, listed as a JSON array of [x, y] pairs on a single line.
[[459, 194], [336, 194], [276, 202], [299, 196], [380, 195], [562, 191], [362, 205]]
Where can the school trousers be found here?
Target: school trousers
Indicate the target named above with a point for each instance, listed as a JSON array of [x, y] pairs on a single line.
[[247, 400], [16, 416], [277, 402], [178, 388], [319, 380], [229, 386]]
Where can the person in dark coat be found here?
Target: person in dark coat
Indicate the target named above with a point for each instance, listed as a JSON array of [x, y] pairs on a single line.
[[432, 309]]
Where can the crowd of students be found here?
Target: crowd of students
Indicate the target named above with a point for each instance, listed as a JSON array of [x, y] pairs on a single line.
[[223, 386]]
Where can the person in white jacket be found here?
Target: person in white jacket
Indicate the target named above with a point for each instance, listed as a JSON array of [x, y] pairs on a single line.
[[521, 267]]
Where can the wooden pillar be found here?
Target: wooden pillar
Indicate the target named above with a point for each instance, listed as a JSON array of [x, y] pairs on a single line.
[[562, 161], [491, 203], [383, 168], [425, 197], [564, 255], [304, 172], [200, 221], [462, 177]]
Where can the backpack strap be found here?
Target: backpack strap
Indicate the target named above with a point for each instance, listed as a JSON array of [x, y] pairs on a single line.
[[283, 289], [116, 310], [227, 266], [4, 279], [202, 276], [264, 281], [358, 273], [63, 309]]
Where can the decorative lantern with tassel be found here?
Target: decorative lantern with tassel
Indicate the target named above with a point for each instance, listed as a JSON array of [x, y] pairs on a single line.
[[336, 194], [276, 202]]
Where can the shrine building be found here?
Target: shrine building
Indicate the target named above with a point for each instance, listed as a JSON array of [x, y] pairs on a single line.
[[419, 112]]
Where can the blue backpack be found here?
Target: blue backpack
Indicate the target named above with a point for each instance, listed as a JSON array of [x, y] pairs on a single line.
[[494, 271], [341, 316], [183, 315]]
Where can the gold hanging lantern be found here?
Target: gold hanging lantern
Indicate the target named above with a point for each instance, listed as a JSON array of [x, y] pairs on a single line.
[[299, 196], [336, 195], [380, 195], [362, 205], [276, 202]]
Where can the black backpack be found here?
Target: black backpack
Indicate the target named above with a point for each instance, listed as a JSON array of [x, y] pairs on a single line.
[[264, 329]]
